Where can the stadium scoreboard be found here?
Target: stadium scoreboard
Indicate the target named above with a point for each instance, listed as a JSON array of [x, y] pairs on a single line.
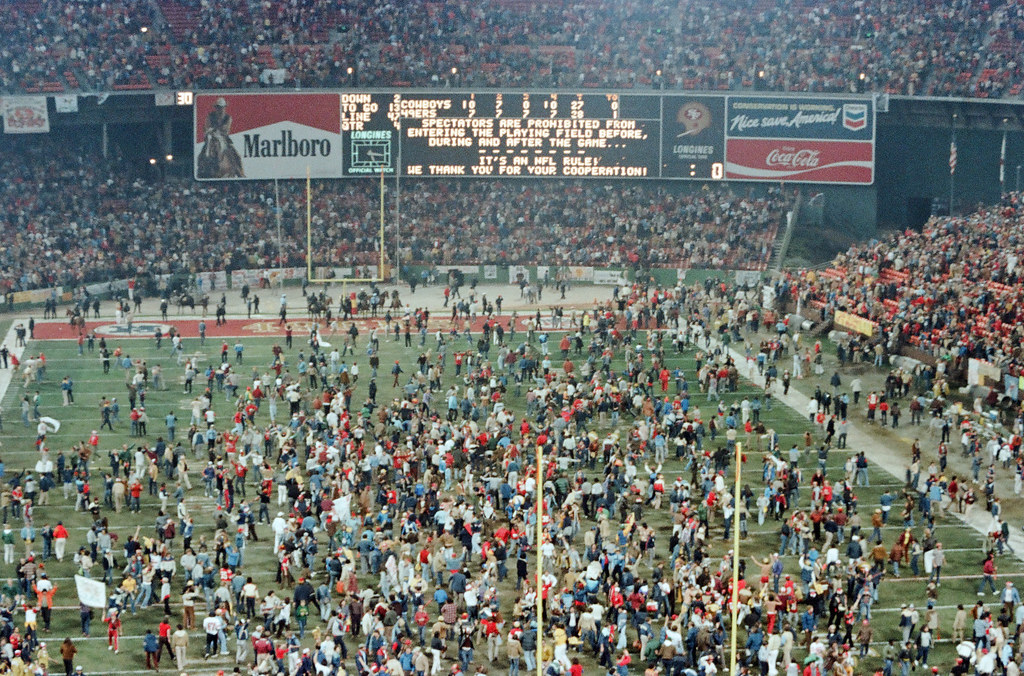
[[497, 134]]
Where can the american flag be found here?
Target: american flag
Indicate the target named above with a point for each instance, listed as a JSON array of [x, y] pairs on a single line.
[[952, 157]]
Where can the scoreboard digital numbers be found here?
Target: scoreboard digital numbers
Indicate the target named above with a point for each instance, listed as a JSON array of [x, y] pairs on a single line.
[[506, 134], [529, 135], [516, 134]]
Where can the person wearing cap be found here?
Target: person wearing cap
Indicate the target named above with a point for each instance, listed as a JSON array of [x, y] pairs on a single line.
[[279, 526], [986, 664], [514, 652], [188, 605], [18, 665]]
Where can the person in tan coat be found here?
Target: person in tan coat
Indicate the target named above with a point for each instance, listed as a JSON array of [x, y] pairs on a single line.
[[514, 651], [179, 641], [118, 491]]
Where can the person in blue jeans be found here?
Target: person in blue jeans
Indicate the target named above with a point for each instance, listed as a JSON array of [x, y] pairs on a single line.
[[888, 655], [466, 651], [85, 613]]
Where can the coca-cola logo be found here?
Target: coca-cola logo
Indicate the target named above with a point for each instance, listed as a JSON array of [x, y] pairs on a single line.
[[791, 158]]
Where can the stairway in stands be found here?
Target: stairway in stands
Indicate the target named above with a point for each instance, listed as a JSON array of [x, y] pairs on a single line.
[[181, 18]]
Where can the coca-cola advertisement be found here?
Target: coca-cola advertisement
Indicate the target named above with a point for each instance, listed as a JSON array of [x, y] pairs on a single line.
[[800, 161]]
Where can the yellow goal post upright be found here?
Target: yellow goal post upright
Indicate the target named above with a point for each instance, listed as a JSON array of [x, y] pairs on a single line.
[[381, 275]]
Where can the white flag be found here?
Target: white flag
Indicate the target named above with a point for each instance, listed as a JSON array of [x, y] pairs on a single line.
[[66, 103], [92, 593]]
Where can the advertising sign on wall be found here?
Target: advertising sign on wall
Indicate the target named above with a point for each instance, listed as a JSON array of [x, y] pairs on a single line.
[[800, 140], [260, 136], [522, 134]]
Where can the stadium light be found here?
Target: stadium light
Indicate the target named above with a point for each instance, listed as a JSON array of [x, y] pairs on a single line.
[[152, 160], [144, 29], [170, 158]]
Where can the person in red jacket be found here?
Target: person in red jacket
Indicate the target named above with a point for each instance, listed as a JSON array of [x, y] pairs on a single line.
[[113, 622], [988, 574], [60, 540], [622, 666]]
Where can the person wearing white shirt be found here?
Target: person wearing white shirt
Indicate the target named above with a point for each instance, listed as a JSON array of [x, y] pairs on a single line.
[[278, 526], [212, 626], [986, 664]]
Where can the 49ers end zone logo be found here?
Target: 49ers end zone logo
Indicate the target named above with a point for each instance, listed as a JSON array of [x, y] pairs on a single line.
[[137, 330], [302, 327]]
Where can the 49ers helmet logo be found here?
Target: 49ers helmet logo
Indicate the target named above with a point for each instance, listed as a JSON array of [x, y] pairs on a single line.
[[695, 118]]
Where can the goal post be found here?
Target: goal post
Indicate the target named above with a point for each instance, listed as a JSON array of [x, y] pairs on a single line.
[[382, 268]]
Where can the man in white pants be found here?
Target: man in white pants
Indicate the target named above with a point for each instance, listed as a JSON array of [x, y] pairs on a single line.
[[8, 540], [60, 540]]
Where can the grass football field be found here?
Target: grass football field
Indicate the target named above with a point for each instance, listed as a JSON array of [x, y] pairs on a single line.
[[90, 385]]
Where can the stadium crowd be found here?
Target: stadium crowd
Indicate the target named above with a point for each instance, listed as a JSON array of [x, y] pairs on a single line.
[[952, 290], [72, 220], [400, 517], [925, 47]]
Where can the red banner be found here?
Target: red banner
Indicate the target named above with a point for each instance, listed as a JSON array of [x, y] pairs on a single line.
[[800, 161]]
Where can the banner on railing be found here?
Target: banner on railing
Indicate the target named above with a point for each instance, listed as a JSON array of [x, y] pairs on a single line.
[[610, 277], [25, 115], [848, 320], [980, 372]]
